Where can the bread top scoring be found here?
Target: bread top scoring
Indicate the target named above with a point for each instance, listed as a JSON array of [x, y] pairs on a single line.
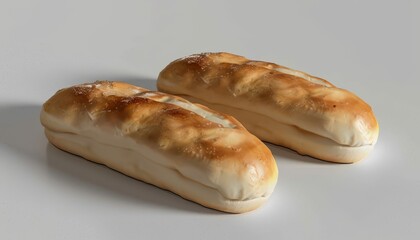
[[102, 97], [293, 97]]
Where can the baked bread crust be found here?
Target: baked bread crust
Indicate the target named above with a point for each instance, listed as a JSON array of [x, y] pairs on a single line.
[[195, 152], [277, 104]]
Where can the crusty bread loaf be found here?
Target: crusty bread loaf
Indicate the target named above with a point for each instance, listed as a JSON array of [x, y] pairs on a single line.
[[277, 104], [197, 153]]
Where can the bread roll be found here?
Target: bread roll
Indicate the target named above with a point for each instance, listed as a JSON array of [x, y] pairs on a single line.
[[199, 154], [277, 104]]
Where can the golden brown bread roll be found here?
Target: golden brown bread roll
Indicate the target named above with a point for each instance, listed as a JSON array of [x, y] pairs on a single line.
[[197, 153], [277, 104]]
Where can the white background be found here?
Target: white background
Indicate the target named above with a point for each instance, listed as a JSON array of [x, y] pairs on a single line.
[[368, 47]]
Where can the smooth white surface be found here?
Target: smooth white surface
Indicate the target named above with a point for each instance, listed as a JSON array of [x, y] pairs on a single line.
[[368, 47]]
